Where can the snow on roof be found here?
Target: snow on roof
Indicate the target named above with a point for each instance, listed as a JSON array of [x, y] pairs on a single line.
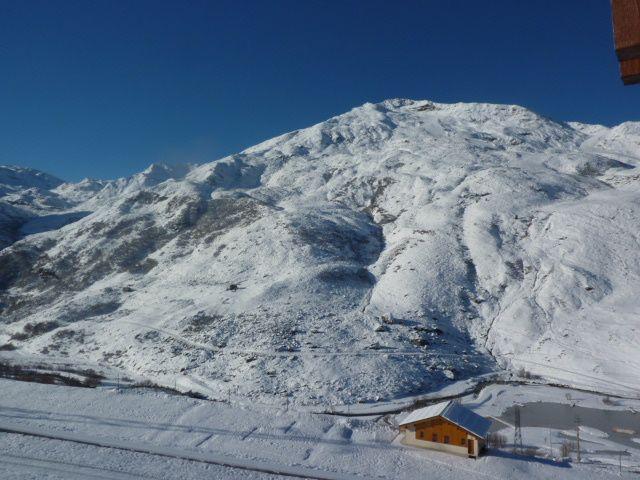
[[455, 413], [424, 413]]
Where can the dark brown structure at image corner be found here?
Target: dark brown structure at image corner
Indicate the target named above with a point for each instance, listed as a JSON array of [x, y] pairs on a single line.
[[626, 31]]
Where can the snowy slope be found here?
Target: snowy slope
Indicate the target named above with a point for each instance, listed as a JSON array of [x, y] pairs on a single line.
[[382, 253], [151, 434], [14, 178], [24, 192]]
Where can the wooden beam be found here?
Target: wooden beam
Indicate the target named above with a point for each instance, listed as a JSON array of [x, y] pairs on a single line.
[[626, 27], [630, 71]]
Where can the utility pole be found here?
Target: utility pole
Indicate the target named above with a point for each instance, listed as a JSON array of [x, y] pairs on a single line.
[[578, 436], [517, 434], [620, 462]]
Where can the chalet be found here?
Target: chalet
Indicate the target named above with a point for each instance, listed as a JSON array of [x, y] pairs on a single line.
[[446, 426]]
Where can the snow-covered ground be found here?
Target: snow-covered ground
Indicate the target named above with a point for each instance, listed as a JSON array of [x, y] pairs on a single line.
[[98, 433]]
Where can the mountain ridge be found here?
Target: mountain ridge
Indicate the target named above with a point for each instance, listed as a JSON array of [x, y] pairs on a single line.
[[381, 253]]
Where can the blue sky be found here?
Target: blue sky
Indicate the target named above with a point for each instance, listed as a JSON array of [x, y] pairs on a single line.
[[104, 88]]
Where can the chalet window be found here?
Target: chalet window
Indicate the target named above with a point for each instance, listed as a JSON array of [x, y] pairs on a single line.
[[446, 439], [420, 434], [434, 437], [463, 441]]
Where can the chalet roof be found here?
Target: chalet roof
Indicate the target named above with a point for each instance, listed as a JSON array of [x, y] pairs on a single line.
[[455, 413]]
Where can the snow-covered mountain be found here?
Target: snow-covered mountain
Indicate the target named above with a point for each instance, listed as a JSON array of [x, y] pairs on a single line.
[[25, 193], [382, 253]]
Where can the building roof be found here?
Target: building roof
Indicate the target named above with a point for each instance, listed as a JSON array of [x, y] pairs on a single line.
[[455, 413]]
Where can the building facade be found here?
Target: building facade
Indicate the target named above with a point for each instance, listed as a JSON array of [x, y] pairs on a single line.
[[447, 427]]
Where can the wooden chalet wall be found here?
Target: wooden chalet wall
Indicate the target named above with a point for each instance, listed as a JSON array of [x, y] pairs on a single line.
[[630, 71], [442, 428], [626, 28]]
